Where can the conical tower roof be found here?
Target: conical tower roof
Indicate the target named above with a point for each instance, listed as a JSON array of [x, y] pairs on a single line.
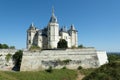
[[53, 18]]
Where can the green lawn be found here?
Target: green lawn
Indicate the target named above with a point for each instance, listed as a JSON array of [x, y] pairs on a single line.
[[62, 74]]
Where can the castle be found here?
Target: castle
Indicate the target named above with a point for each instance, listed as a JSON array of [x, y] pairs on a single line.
[[48, 37]]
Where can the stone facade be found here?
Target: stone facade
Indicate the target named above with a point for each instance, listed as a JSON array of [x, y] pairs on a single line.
[[86, 57], [48, 37]]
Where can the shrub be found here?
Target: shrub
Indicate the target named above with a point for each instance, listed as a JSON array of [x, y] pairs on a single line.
[[66, 61], [34, 48], [64, 67], [49, 69], [62, 44], [79, 67], [8, 56]]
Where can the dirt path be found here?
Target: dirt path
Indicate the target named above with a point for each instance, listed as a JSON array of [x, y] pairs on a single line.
[[80, 76]]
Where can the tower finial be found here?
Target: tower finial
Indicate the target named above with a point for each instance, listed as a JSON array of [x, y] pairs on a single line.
[[53, 10], [32, 24]]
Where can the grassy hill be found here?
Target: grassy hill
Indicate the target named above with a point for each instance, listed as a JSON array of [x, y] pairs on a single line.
[[110, 71], [62, 74]]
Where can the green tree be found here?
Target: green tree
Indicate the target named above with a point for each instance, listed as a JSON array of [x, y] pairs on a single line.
[[0, 46], [17, 58], [8, 56], [12, 47], [81, 46], [5, 46], [62, 44]]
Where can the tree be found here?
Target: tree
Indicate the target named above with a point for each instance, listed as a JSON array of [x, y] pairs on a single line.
[[8, 56], [0, 46], [17, 58], [12, 47], [81, 46], [62, 44], [5, 46]]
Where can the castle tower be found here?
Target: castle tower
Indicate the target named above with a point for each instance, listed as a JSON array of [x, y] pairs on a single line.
[[30, 35], [74, 38], [53, 32]]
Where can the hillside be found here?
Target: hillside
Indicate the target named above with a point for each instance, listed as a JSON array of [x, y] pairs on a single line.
[[110, 71], [62, 74]]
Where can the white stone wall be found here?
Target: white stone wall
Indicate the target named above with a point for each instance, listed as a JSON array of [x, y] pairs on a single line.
[[4, 65], [102, 57], [87, 58]]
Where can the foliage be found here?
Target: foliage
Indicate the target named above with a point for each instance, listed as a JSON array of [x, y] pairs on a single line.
[[34, 48], [61, 74], [62, 44], [5, 46], [49, 69], [66, 61], [81, 46], [12, 47], [86, 71], [110, 71], [113, 57], [79, 67], [64, 67], [73, 47], [17, 58], [8, 56]]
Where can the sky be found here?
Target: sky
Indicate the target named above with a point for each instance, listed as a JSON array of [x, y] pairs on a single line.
[[97, 21]]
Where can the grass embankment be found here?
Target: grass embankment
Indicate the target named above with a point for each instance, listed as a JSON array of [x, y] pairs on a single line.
[[62, 74], [110, 71]]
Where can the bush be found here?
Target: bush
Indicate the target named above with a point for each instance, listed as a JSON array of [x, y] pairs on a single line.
[[66, 61], [49, 69], [8, 56], [79, 67], [34, 48], [110, 71], [17, 58], [62, 44], [64, 67]]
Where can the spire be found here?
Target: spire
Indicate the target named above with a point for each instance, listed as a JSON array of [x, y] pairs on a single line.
[[32, 26], [53, 18], [53, 11], [72, 27]]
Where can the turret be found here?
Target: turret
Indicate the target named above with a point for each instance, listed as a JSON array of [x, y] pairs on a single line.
[[53, 32], [74, 36], [30, 35]]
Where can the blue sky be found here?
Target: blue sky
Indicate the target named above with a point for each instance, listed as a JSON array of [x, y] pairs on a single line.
[[97, 21]]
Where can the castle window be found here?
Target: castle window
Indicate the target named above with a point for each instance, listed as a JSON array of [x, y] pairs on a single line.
[[29, 41], [29, 34]]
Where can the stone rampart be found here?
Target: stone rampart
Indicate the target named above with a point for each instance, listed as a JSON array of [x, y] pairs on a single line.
[[87, 58]]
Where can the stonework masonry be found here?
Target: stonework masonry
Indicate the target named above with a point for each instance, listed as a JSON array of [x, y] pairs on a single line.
[[87, 58], [4, 65]]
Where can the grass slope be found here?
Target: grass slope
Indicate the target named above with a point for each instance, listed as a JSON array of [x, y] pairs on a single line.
[[62, 74], [110, 71]]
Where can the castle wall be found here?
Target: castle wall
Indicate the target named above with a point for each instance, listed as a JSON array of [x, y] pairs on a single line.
[[87, 58], [102, 57], [4, 65]]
